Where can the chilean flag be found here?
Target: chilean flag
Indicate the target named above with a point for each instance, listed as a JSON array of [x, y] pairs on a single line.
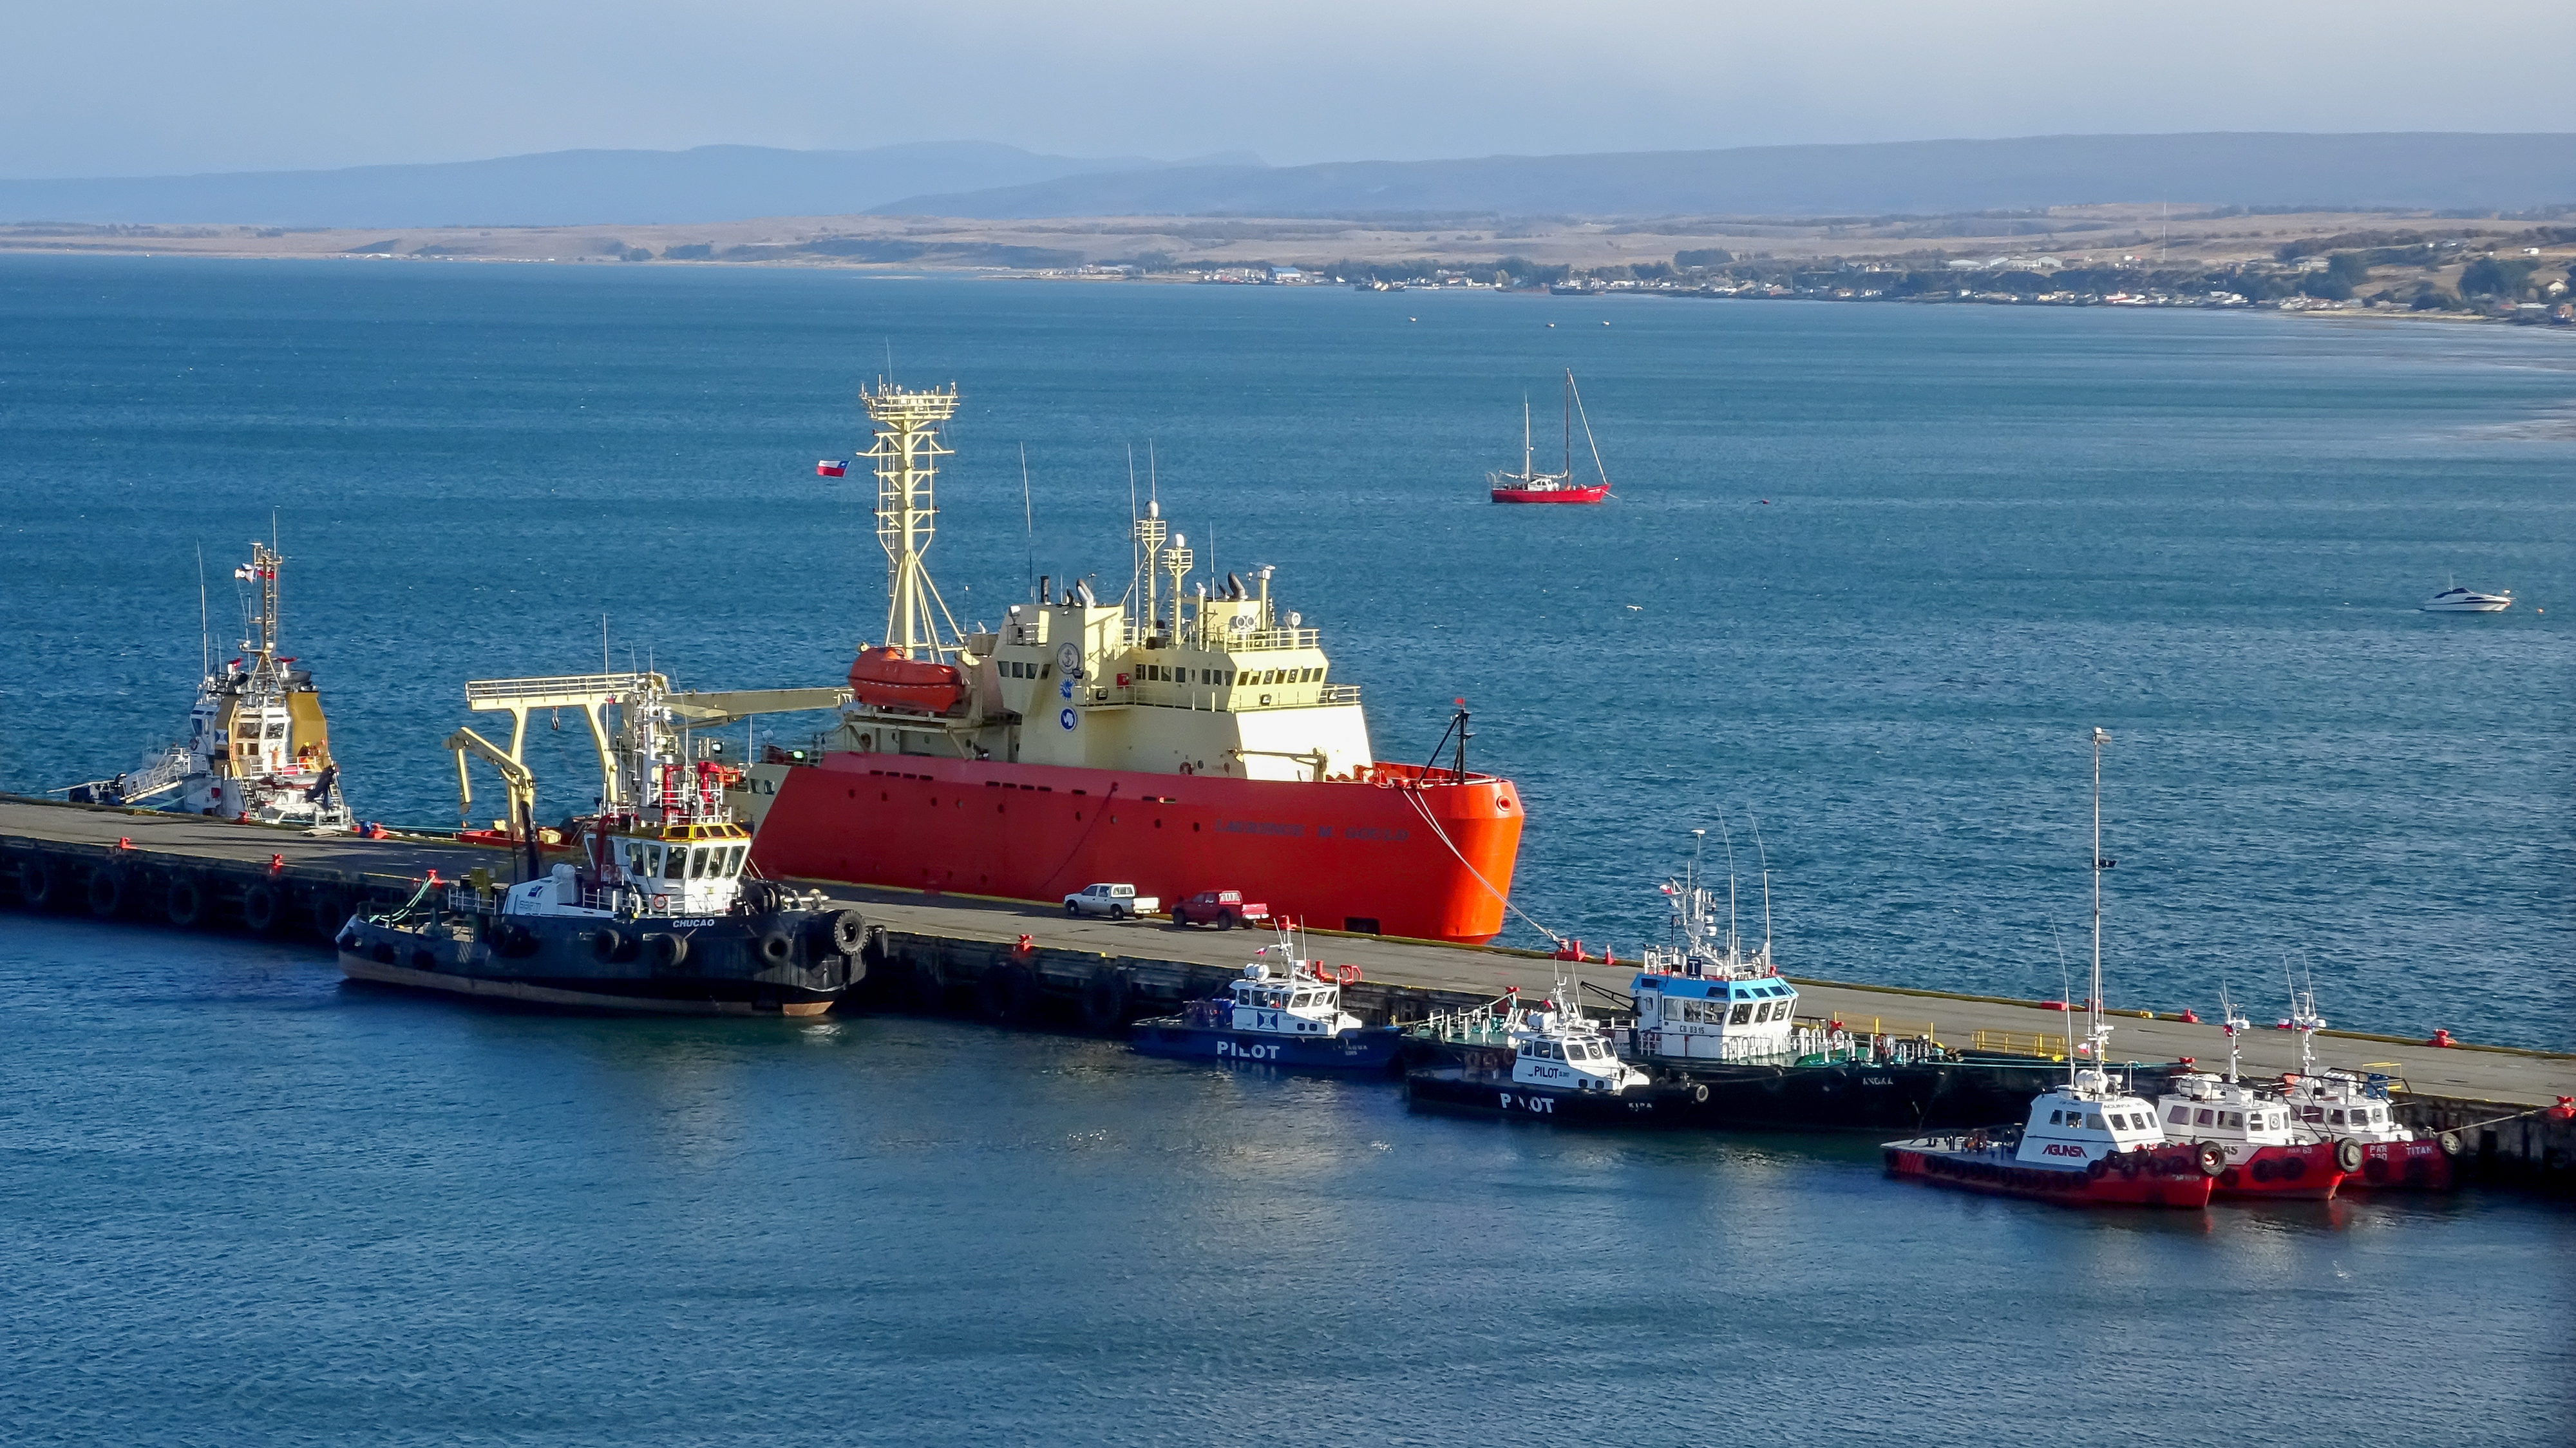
[[831, 468]]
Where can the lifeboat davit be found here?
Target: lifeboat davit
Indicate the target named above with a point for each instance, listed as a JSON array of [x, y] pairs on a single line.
[[883, 678]]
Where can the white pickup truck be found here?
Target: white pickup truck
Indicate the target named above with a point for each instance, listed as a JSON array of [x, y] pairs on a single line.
[[1118, 902]]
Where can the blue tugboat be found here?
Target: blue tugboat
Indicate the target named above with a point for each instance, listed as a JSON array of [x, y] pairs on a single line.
[[1284, 1014]]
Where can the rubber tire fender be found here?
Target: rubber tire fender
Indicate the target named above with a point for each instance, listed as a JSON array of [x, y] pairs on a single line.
[[184, 902], [849, 932], [37, 885], [328, 909], [1007, 992], [774, 948], [606, 944], [260, 907], [2453, 1144], [1104, 999], [106, 893], [1699, 1093], [511, 940], [2212, 1158], [2099, 1167], [2348, 1155], [666, 951]]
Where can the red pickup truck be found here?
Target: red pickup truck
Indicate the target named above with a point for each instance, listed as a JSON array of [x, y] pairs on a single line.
[[1224, 909]]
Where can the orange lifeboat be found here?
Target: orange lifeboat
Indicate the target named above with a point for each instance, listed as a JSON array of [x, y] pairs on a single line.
[[883, 678]]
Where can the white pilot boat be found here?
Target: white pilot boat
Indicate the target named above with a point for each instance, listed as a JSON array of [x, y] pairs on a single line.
[[258, 750], [1563, 1065], [2351, 1109], [1283, 1010], [2455, 599]]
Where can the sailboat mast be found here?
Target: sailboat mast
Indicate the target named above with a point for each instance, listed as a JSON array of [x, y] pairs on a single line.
[[2094, 1005], [1569, 424], [1528, 454]]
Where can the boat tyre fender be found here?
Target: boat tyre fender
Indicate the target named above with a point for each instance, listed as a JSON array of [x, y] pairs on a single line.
[[106, 893], [849, 932], [1699, 1093], [775, 948], [666, 951], [2348, 1155], [606, 944], [2453, 1143], [2213, 1158], [259, 908], [2098, 1168], [1104, 999], [1006, 992], [510, 939], [185, 901], [329, 910], [36, 884]]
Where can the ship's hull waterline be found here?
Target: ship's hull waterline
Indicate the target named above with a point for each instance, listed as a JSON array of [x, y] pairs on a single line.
[[1420, 856]]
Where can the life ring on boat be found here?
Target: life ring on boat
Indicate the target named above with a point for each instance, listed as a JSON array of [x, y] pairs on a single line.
[[2348, 1154], [2213, 1158], [661, 904]]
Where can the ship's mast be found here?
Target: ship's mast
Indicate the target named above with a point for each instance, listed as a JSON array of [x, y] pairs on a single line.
[[263, 573], [907, 451], [2099, 1033]]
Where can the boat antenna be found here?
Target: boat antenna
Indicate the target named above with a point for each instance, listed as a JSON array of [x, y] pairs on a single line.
[[1729, 842], [1528, 465], [205, 625], [1765, 855], [603, 643], [2065, 987], [1135, 539], [2234, 1026], [1686, 924], [889, 372], [1028, 520]]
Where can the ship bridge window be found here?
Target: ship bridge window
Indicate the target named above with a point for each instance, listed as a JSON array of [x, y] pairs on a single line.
[[676, 865], [277, 730], [1743, 1015], [2094, 1122], [2179, 1116]]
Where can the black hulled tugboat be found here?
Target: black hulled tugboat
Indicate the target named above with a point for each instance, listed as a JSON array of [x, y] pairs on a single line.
[[656, 917]]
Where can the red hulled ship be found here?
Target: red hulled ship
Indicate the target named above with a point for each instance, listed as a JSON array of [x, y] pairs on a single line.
[[1184, 737]]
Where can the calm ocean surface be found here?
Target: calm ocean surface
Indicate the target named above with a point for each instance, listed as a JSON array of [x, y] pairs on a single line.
[[240, 1201]]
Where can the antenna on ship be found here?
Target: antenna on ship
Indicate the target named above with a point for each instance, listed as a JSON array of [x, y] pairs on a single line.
[[907, 453], [1766, 884], [205, 624], [1729, 841], [1029, 521]]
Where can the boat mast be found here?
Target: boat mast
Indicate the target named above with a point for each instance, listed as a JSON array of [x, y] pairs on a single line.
[[1529, 455], [907, 451], [1569, 425], [2093, 1006]]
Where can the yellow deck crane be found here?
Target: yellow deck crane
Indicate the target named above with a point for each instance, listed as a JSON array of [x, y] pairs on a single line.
[[515, 778]]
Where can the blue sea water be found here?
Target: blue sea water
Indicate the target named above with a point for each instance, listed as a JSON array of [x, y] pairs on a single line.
[[1873, 574], [242, 1202]]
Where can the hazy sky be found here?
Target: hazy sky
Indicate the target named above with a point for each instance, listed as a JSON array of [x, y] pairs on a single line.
[[128, 87]]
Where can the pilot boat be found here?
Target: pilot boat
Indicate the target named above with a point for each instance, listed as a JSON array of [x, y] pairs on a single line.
[[2455, 599], [657, 917], [2090, 1142], [2266, 1155], [1529, 485], [1282, 1011], [1564, 1066], [258, 750], [2351, 1110]]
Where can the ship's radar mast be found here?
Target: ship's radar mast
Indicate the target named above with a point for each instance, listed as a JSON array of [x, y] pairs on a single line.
[[262, 571], [907, 454]]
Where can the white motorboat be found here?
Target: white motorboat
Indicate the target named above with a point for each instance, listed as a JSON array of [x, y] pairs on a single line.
[[2456, 599]]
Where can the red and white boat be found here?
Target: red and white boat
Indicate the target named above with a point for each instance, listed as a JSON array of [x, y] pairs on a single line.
[[2266, 1155], [2088, 1143], [2351, 1110], [1529, 485], [1187, 736]]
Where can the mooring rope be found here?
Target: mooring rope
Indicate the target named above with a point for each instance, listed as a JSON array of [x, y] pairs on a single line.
[[1414, 798]]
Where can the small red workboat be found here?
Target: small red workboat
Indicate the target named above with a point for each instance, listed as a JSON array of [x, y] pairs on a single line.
[[2267, 1155], [885, 678], [1529, 485], [2351, 1112]]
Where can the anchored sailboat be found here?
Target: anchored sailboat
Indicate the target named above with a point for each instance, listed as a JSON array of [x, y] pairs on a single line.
[[1529, 485]]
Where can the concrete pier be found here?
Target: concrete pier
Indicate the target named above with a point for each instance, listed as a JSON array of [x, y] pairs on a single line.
[[1017, 961]]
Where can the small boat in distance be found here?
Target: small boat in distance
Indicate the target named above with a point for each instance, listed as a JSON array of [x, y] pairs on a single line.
[[1529, 485], [2455, 599]]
